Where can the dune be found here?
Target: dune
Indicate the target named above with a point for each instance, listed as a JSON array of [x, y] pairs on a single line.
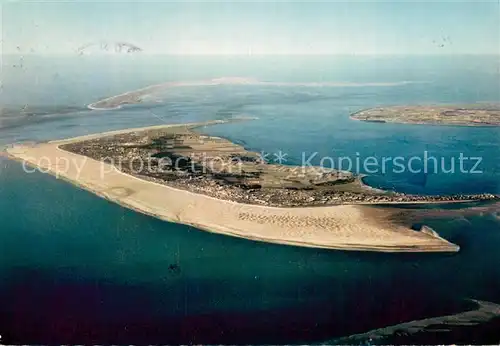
[[344, 227]]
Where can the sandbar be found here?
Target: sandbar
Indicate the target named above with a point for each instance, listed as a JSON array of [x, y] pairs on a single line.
[[137, 96], [343, 227]]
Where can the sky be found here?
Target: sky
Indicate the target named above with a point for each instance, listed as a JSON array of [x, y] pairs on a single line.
[[254, 28]]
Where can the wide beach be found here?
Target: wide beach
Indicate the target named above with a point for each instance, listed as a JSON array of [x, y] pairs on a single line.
[[348, 227]]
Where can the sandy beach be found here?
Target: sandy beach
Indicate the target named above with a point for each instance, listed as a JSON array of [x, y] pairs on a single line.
[[347, 227], [135, 96]]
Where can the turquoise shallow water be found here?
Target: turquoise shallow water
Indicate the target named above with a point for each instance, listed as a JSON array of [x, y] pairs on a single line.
[[76, 268]]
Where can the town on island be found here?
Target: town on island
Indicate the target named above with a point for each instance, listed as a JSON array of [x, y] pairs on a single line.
[[176, 173]]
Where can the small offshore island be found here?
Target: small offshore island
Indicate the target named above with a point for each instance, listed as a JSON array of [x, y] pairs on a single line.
[[216, 185], [469, 115]]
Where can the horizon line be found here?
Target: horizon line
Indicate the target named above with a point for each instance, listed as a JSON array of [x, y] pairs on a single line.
[[247, 55]]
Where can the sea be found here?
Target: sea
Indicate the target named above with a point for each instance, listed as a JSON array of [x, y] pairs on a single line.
[[75, 268]]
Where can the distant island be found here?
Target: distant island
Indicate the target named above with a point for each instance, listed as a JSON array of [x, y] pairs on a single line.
[[137, 96], [465, 115], [179, 175]]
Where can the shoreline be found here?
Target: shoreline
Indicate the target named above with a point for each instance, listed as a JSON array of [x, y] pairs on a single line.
[[353, 191], [341, 227], [133, 96], [444, 247], [427, 110], [484, 311], [420, 124], [370, 204]]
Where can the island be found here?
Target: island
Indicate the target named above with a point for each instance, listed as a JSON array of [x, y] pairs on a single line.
[[138, 96], [177, 174], [465, 115], [409, 332]]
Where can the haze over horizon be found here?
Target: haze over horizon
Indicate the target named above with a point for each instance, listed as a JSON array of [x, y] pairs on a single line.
[[243, 28]]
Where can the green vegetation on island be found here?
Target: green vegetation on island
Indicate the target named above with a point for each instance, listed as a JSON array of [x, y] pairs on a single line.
[[461, 115]]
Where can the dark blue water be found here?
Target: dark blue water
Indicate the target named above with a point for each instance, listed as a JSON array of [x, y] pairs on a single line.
[[75, 268]]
